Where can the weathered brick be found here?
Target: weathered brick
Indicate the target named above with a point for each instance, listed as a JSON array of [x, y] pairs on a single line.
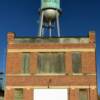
[[14, 67]]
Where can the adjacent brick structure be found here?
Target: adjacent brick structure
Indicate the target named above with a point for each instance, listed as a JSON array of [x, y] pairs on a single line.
[[69, 80]]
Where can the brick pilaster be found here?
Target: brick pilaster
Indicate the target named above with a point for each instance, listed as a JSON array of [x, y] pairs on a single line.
[[10, 36]]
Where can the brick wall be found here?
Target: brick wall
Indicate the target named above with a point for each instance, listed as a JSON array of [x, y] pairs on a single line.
[[14, 64], [72, 95]]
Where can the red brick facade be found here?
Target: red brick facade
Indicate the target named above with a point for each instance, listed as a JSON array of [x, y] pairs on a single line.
[[15, 79]]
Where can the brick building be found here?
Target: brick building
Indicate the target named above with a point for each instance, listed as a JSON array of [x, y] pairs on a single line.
[[51, 63]]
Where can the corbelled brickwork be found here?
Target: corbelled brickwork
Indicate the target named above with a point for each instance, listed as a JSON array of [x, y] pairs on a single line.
[[73, 82]]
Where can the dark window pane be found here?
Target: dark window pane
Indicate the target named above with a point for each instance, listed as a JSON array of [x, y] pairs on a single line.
[[83, 94], [76, 62], [25, 64], [51, 63], [18, 94]]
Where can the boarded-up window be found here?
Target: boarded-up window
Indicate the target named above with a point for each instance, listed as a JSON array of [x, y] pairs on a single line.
[[76, 62], [50, 94], [18, 94], [83, 94], [26, 62], [51, 63]]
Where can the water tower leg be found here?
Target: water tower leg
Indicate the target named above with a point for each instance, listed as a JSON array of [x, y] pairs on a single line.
[[42, 34], [58, 25], [50, 29], [41, 25]]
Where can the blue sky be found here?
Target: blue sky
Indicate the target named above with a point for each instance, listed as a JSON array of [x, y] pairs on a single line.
[[21, 16]]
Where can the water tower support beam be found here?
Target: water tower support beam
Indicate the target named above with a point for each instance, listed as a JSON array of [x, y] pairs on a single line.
[[41, 25], [58, 25], [42, 34], [50, 30]]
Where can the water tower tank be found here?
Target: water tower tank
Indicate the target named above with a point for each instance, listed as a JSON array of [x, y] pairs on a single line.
[[49, 12], [55, 4], [51, 8]]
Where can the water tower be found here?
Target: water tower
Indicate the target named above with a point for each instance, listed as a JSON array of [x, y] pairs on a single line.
[[49, 17]]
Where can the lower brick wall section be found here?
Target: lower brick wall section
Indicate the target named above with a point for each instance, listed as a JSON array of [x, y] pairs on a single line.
[[93, 94], [28, 94], [9, 95], [73, 94]]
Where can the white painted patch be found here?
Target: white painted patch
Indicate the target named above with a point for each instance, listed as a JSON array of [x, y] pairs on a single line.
[[50, 94]]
